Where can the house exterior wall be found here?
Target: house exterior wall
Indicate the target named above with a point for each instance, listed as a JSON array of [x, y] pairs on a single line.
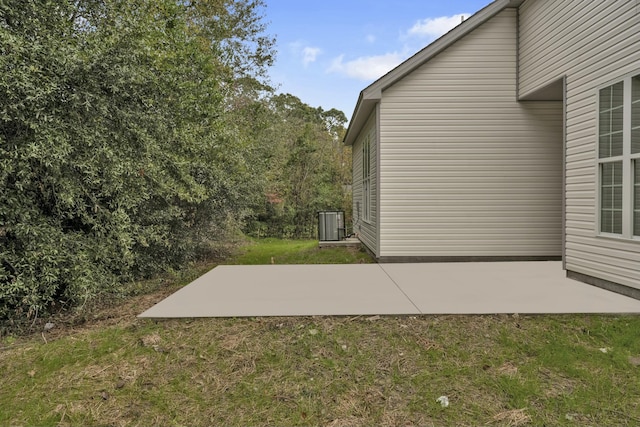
[[592, 43], [366, 230], [465, 169]]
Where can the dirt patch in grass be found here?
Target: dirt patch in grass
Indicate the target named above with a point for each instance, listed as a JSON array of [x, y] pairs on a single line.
[[112, 313], [512, 418], [508, 369]]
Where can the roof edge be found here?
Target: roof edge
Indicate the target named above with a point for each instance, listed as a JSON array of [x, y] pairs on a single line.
[[372, 94]]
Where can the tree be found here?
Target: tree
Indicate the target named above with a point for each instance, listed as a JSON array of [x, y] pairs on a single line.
[[118, 157], [305, 170]]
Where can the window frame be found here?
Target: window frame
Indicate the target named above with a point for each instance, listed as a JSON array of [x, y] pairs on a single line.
[[635, 157], [627, 158], [366, 179], [636, 201]]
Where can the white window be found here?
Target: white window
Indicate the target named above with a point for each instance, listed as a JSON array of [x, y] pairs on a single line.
[[635, 151], [366, 179], [619, 158]]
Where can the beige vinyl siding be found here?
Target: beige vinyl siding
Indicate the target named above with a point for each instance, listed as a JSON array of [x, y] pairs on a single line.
[[466, 170], [366, 230], [581, 38], [593, 43]]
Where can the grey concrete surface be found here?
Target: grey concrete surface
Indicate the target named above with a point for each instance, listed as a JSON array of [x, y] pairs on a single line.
[[388, 289], [503, 287], [286, 290]]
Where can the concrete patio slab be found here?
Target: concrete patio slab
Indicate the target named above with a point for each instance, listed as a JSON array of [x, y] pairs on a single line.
[[286, 290], [388, 289], [502, 287]]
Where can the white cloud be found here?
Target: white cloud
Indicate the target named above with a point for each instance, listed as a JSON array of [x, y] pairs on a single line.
[[295, 47], [310, 54], [366, 67], [435, 27], [306, 54], [369, 68]]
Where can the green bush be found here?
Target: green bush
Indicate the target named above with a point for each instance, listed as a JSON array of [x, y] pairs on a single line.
[[117, 157]]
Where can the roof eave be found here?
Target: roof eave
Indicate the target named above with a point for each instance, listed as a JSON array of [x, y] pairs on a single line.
[[364, 107], [372, 94]]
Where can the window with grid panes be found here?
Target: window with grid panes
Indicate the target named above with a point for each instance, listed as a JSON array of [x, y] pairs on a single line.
[[366, 179], [619, 157], [610, 143], [635, 151]]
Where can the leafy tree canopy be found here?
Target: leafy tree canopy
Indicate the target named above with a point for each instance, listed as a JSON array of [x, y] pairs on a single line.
[[117, 158], [136, 135]]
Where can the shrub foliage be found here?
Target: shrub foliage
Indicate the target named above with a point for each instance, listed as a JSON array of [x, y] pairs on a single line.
[[135, 134], [117, 155]]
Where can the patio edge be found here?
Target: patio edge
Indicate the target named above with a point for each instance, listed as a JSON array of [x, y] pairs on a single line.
[[605, 284]]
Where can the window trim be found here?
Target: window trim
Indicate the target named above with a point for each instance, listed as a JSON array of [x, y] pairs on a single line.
[[366, 179], [634, 210], [627, 159]]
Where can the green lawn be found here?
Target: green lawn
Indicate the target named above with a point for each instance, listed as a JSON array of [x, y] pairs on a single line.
[[496, 370], [276, 251]]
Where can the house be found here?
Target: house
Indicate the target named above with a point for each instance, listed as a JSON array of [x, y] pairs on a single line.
[[515, 136]]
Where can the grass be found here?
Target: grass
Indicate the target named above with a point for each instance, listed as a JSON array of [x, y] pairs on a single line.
[[117, 370], [276, 251]]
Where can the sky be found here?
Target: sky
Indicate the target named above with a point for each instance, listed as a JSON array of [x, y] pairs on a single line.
[[329, 50]]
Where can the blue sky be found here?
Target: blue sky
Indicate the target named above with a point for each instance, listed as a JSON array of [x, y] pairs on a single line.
[[329, 50]]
